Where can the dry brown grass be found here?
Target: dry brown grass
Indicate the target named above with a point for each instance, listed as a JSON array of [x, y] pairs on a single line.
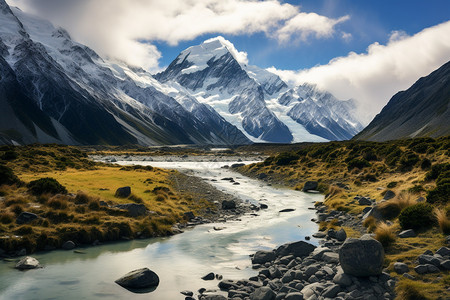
[[442, 220], [333, 191], [392, 208], [385, 234], [370, 223]]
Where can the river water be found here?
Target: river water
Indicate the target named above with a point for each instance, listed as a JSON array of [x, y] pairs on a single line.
[[181, 260]]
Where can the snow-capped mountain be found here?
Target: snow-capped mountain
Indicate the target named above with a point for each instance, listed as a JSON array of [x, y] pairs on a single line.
[[53, 89], [257, 101]]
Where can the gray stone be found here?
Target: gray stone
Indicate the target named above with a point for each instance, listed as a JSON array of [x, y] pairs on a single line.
[[362, 257], [401, 268], [342, 279], [443, 251], [287, 210], [428, 259], [331, 291], [364, 201], [373, 212], [213, 297], [445, 264], [330, 257], [209, 276], [69, 245], [228, 204], [134, 209], [319, 235], [28, 263], [297, 249], [123, 192], [409, 276], [389, 195], [310, 185], [261, 257], [275, 272], [294, 296], [139, 279], [187, 293], [311, 270], [407, 234], [227, 284], [432, 269], [263, 293], [366, 210], [319, 251], [26, 217], [189, 215], [341, 235], [421, 269]]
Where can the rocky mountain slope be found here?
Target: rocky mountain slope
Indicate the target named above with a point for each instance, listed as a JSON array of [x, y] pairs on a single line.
[[257, 101], [422, 110], [56, 90]]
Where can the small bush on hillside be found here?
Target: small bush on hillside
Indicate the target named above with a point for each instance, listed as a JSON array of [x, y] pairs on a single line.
[[392, 184], [425, 164], [285, 158], [436, 170], [46, 185], [416, 217], [357, 163], [442, 191], [408, 161], [10, 155], [7, 176]]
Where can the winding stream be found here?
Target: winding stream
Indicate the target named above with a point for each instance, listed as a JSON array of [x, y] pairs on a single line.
[[181, 260]]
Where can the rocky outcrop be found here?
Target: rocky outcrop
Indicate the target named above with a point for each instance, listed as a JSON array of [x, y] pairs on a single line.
[[26, 217], [310, 186], [134, 210], [123, 192]]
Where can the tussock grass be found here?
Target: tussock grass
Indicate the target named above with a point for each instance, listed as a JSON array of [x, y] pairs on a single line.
[[370, 223], [443, 221], [385, 234], [392, 208], [409, 290]]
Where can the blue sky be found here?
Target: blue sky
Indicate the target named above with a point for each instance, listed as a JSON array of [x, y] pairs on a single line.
[[369, 22]]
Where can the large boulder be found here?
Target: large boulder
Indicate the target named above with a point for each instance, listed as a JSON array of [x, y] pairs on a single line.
[[297, 249], [123, 192], [28, 263], [261, 257], [139, 279], [374, 212], [362, 257], [389, 195], [135, 210], [310, 186], [26, 217]]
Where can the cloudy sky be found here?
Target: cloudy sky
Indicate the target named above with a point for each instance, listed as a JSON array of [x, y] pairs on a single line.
[[366, 50]]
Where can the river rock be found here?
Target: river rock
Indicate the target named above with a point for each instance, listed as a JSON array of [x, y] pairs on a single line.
[[189, 215], [389, 195], [123, 192], [286, 210], [26, 217], [261, 257], [28, 263], [263, 293], [134, 209], [263, 206], [209, 276], [294, 296], [362, 257], [428, 259], [297, 249], [69, 245], [331, 291], [187, 293], [310, 185], [443, 251], [228, 204], [373, 212], [401, 268], [213, 297], [139, 279]]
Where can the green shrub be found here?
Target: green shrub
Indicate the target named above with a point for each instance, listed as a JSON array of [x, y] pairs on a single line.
[[357, 163], [436, 170], [442, 191], [46, 185], [7, 176], [416, 216], [425, 164], [408, 161], [392, 184], [10, 155], [285, 158]]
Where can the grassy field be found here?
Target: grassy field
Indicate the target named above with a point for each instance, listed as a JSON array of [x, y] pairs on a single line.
[[410, 168], [84, 212]]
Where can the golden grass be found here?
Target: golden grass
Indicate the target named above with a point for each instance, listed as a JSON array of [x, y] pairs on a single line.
[[392, 208], [385, 234], [442, 220], [370, 223]]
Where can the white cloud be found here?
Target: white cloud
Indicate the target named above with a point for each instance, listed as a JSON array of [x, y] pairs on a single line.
[[372, 78], [114, 27], [303, 25]]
